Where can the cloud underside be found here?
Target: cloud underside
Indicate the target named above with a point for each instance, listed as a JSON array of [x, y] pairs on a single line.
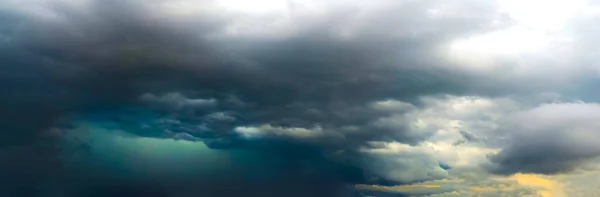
[[387, 93]]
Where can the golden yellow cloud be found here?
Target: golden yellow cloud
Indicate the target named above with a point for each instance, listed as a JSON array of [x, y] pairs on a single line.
[[545, 187]]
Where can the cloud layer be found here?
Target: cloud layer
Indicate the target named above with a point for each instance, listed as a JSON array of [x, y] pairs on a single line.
[[300, 95]]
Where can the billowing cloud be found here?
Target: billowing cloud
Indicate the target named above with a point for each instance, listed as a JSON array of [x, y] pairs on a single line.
[[280, 93], [551, 138]]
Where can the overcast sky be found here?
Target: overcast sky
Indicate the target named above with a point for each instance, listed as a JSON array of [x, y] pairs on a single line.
[[299, 98]]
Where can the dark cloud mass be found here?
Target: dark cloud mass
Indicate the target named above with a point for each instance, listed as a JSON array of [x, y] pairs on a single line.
[[549, 139], [176, 98]]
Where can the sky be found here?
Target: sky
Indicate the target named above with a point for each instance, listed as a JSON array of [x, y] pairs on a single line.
[[324, 98]]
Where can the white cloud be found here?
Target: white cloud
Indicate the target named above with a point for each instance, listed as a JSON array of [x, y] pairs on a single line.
[[447, 119], [255, 7], [267, 130], [393, 106], [547, 15]]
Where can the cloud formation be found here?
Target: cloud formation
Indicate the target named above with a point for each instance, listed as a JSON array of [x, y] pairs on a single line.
[[361, 92], [552, 138]]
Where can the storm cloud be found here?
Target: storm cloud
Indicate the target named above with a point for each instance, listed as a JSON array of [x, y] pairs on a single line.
[[552, 138], [87, 55], [295, 95]]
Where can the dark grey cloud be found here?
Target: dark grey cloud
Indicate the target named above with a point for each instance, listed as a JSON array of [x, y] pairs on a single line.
[[90, 55], [467, 137], [302, 79], [549, 139]]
